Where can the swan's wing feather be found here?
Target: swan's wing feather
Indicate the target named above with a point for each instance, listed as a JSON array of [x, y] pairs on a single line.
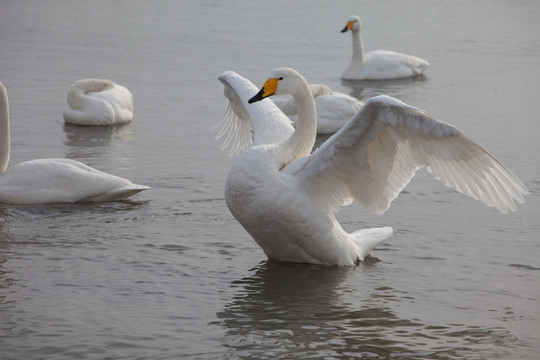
[[246, 124], [118, 96], [374, 156]]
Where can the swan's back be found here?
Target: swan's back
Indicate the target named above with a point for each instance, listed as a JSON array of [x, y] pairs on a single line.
[[62, 180], [386, 64], [120, 99]]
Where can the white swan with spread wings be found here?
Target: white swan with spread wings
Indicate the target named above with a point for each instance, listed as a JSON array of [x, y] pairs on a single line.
[[286, 197]]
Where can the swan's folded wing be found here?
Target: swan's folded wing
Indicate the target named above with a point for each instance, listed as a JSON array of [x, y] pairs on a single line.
[[62, 180], [374, 156], [246, 124]]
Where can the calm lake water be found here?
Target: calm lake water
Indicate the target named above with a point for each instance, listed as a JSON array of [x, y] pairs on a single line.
[[171, 274]]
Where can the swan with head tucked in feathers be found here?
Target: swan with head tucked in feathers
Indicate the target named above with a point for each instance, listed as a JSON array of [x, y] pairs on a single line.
[[98, 102], [54, 180], [378, 64], [286, 197], [334, 108]]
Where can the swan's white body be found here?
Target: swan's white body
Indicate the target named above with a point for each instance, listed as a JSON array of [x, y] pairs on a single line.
[[334, 109], [379, 64], [286, 197], [54, 180], [98, 102]]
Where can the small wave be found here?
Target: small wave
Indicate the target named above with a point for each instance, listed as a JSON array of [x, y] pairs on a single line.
[[525, 267]]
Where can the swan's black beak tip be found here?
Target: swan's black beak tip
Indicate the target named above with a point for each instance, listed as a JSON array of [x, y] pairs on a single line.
[[344, 29], [257, 97]]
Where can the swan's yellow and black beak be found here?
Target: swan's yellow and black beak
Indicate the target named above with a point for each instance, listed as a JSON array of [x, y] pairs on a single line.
[[268, 89], [347, 27]]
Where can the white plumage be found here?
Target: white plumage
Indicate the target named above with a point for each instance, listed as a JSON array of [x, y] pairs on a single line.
[[334, 108], [98, 102], [378, 64], [286, 197], [54, 180]]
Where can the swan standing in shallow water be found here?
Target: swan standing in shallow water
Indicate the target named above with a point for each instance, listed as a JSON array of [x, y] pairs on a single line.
[[334, 109], [286, 197], [378, 64], [54, 180], [98, 102]]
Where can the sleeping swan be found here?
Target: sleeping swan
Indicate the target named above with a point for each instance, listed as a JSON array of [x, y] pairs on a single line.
[[54, 180], [378, 64], [98, 102], [286, 197]]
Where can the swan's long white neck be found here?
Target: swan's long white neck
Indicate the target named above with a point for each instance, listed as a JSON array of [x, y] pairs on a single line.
[[76, 98], [4, 129], [303, 138], [358, 48]]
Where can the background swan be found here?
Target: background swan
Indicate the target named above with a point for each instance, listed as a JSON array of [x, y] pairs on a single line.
[[98, 102], [334, 109], [378, 64], [286, 197], [54, 180]]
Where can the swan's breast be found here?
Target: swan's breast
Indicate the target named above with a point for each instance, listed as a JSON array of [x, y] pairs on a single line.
[[249, 181], [275, 211]]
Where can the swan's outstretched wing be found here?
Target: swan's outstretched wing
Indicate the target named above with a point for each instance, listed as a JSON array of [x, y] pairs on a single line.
[[375, 155], [258, 123]]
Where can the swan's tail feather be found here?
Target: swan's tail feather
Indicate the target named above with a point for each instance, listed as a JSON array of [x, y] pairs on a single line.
[[116, 194], [367, 239]]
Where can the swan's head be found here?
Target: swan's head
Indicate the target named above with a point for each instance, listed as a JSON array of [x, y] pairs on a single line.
[[353, 23], [282, 81]]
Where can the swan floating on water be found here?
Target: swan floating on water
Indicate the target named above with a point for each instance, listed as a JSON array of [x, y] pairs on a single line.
[[54, 180], [286, 197], [98, 102], [378, 64], [334, 108]]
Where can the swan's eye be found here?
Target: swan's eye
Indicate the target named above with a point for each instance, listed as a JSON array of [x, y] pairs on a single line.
[[281, 78]]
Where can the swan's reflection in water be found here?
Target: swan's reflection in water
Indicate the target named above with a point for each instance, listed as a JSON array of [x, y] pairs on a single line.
[[86, 142], [296, 311], [365, 89], [7, 277]]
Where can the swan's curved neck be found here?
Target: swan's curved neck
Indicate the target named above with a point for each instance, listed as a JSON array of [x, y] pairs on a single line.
[[4, 129], [358, 48], [303, 138], [76, 97]]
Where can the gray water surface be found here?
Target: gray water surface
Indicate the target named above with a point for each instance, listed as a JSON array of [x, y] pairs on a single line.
[[171, 275]]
